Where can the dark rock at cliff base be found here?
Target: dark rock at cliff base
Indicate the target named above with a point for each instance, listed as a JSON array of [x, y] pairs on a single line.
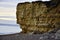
[[19, 36]]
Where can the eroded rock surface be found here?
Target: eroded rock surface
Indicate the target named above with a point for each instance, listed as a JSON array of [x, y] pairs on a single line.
[[45, 36], [38, 16]]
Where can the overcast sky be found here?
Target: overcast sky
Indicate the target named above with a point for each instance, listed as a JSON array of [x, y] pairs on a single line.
[[8, 8], [8, 17]]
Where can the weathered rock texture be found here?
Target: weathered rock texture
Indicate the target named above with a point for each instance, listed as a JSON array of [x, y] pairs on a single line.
[[45, 36], [38, 17], [30, 37]]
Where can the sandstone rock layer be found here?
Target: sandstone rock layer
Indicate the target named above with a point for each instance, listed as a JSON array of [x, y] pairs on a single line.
[[38, 17]]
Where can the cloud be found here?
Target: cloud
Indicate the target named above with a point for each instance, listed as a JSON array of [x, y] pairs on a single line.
[[13, 3], [9, 0], [7, 11], [7, 4], [7, 21], [9, 25], [7, 17], [16, 1], [4, 11], [44, 0], [14, 19]]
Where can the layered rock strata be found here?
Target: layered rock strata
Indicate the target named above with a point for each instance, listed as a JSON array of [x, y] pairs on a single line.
[[38, 17]]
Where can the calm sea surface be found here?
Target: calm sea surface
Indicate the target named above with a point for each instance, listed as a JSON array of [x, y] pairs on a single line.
[[9, 27]]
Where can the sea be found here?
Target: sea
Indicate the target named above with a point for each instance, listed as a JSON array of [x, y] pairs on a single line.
[[9, 27]]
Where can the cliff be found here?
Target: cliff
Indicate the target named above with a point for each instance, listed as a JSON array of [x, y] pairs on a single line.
[[38, 17]]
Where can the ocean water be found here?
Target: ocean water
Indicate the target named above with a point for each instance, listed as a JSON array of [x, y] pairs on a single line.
[[9, 27]]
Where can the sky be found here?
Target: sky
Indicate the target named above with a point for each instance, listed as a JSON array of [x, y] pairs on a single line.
[[8, 23], [8, 8], [8, 16]]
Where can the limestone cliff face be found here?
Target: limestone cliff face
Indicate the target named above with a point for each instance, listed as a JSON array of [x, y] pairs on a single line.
[[38, 16]]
